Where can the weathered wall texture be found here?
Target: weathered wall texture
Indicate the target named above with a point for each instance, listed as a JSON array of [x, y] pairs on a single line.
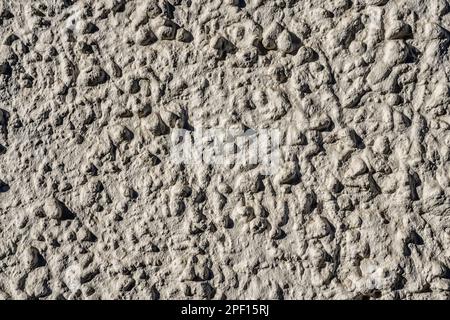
[[91, 205]]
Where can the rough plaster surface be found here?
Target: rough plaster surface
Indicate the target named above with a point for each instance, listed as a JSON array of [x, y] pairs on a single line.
[[92, 207]]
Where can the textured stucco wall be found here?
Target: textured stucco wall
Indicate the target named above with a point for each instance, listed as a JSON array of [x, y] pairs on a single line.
[[93, 203]]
